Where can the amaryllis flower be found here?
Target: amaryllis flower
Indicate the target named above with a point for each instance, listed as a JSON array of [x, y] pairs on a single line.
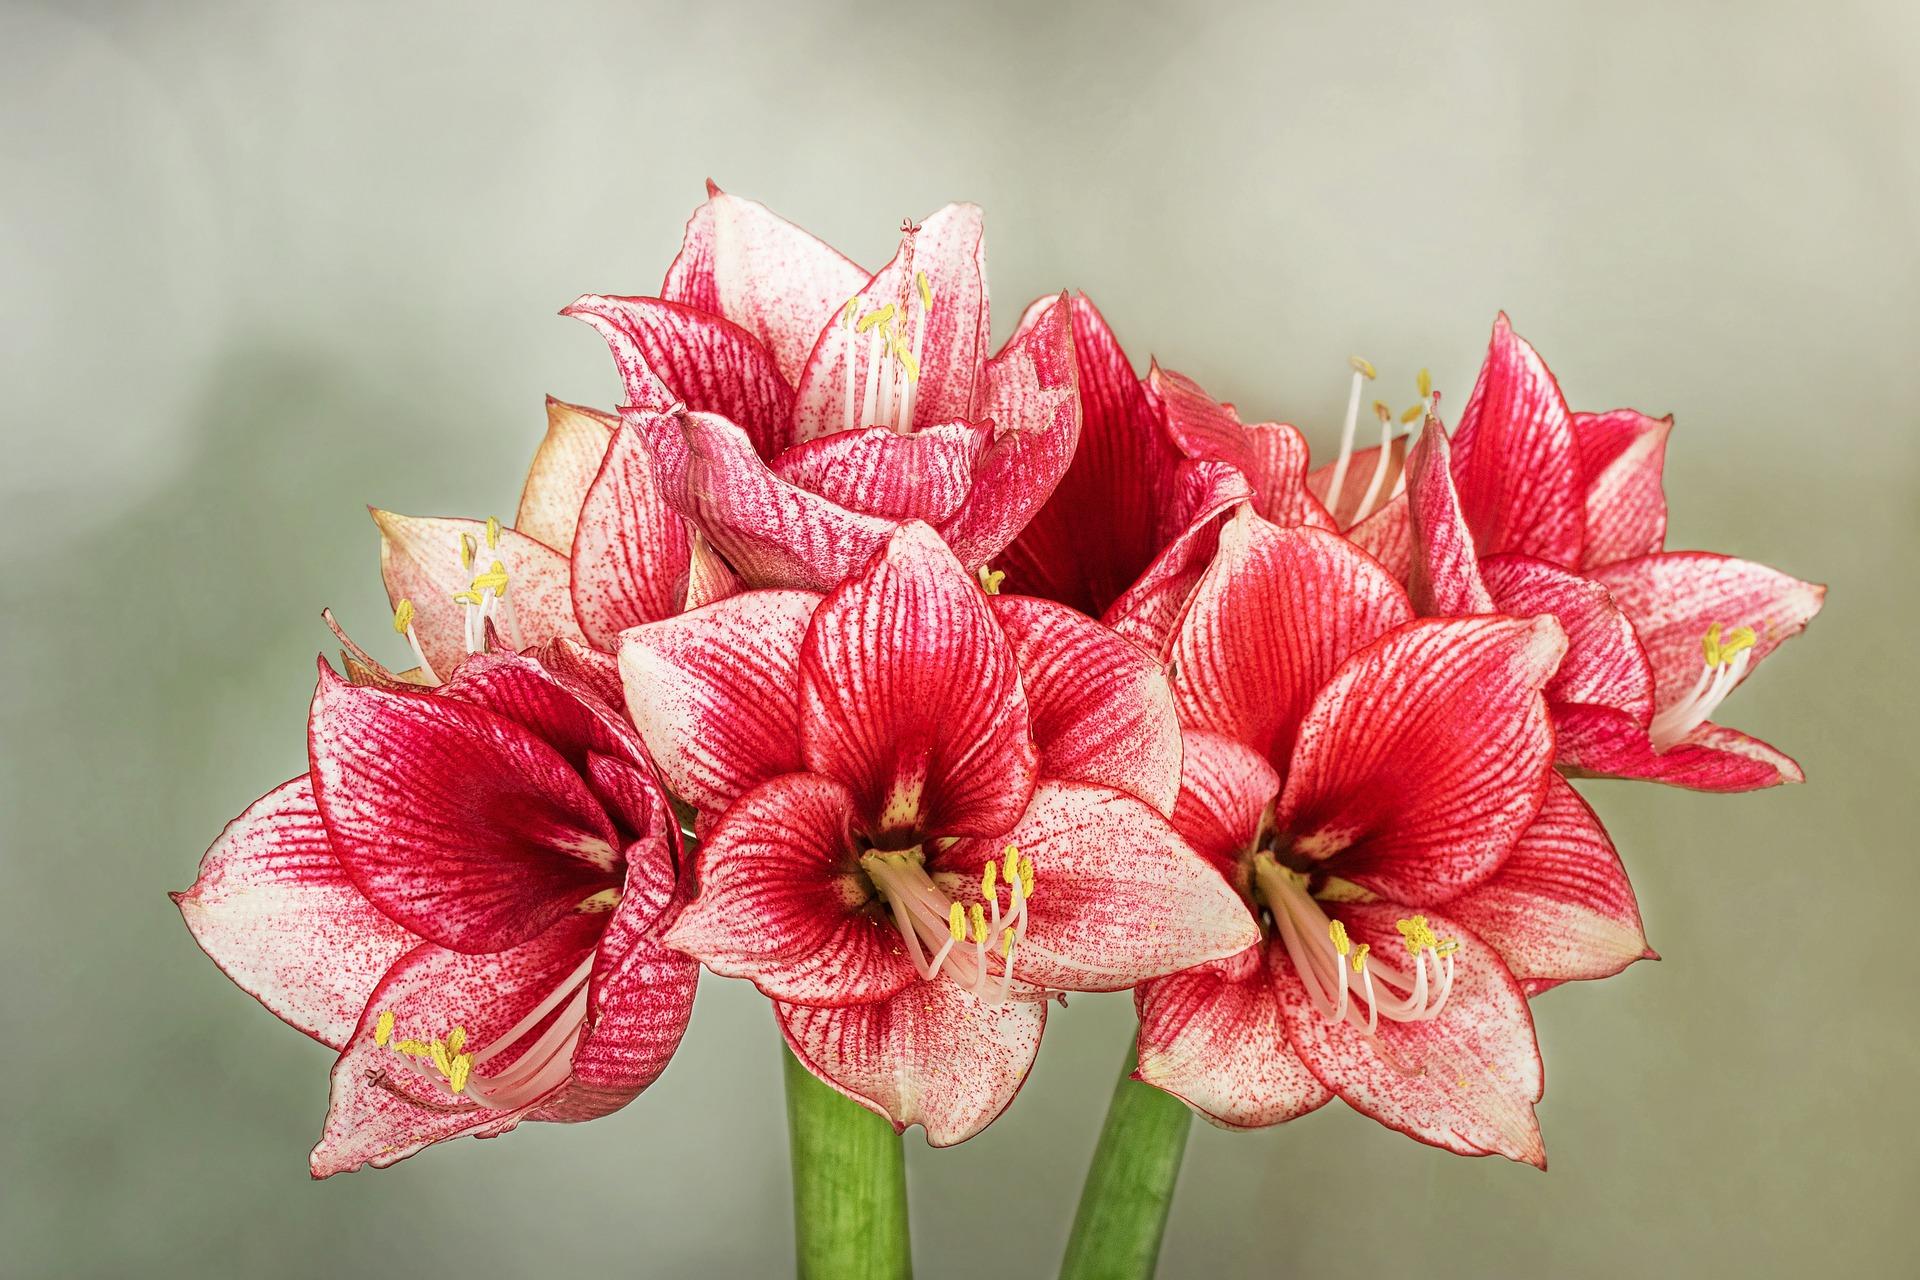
[[1534, 509], [798, 408], [923, 810], [592, 551], [464, 897], [1379, 791]]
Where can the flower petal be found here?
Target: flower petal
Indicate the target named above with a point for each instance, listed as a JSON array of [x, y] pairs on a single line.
[[704, 361], [563, 468], [1211, 1037], [878, 471], [784, 903], [1273, 617], [1101, 708], [1387, 536], [1605, 665], [934, 1055], [1226, 790], [909, 695], [631, 552], [1344, 507], [1426, 756], [780, 284], [715, 694], [1271, 455], [1475, 1070], [1515, 462], [1118, 895], [1030, 397], [773, 532], [455, 821], [949, 249], [1602, 742], [274, 909], [1673, 597], [1560, 907], [421, 561], [383, 1109], [1621, 456], [1443, 578], [1203, 492]]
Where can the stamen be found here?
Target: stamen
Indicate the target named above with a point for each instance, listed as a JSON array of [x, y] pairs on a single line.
[[1365, 508], [1362, 372], [990, 579], [1725, 664], [847, 328], [957, 938]]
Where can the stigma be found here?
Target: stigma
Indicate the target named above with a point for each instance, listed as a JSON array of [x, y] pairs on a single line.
[[1726, 656], [894, 334], [962, 937], [1345, 980]]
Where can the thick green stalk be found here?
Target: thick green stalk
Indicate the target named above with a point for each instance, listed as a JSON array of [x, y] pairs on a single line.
[[1123, 1207], [849, 1186]]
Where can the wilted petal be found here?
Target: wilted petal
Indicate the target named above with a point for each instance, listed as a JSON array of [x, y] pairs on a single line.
[[784, 903], [878, 471], [705, 362], [910, 696], [564, 466], [763, 273], [421, 561], [1211, 1037], [1560, 906], [949, 249], [1275, 614], [274, 909], [1426, 756], [715, 694], [934, 1055], [1475, 1070], [631, 551], [1118, 895], [455, 821], [1100, 707], [1621, 456]]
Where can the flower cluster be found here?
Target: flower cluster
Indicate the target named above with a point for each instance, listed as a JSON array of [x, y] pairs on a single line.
[[920, 686]]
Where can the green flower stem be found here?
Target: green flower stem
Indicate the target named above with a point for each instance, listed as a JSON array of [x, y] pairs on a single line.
[[1123, 1207], [849, 1186]]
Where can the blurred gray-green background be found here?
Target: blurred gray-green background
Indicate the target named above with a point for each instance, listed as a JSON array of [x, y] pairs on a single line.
[[263, 263]]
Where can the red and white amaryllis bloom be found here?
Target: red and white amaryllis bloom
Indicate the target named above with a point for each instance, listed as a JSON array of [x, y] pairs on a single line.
[[798, 408], [923, 811], [464, 897], [1378, 790], [593, 550], [1533, 509]]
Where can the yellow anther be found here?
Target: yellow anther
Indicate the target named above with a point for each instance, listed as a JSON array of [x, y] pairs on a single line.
[[1381, 411], [493, 532], [1362, 366], [456, 1039], [1417, 933], [1012, 867], [1447, 947], [1412, 414], [957, 922], [989, 880], [990, 580], [1338, 932], [383, 1029], [848, 312], [413, 1048], [977, 918], [1425, 382], [467, 597], [1360, 957], [468, 550], [457, 1077], [1026, 876], [926, 290], [1720, 651], [403, 617], [873, 318], [494, 580], [904, 356], [1006, 943], [442, 1062]]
